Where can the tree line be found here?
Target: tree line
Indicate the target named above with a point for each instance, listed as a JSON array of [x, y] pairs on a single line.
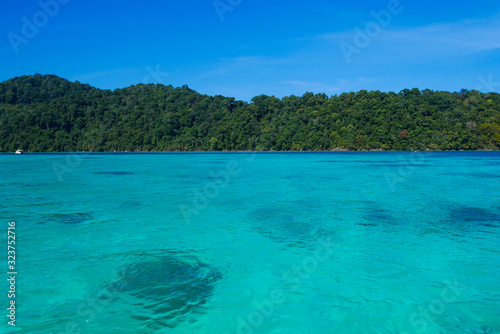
[[45, 113]]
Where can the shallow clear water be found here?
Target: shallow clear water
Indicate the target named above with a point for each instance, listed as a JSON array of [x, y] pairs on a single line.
[[379, 242]]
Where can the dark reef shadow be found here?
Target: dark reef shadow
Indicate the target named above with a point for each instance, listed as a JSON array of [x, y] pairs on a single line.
[[68, 218], [281, 225], [469, 217], [163, 291], [117, 173]]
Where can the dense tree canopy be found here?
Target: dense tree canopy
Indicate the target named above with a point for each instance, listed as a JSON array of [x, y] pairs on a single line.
[[45, 113]]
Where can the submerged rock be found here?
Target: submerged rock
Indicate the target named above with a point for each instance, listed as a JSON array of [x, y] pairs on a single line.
[[165, 291], [69, 218], [286, 226], [470, 215], [114, 173], [377, 216]]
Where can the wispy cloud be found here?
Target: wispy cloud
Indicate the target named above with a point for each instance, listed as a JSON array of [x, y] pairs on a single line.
[[340, 85], [441, 40], [310, 86], [230, 66], [123, 77], [103, 75], [318, 65], [295, 73]]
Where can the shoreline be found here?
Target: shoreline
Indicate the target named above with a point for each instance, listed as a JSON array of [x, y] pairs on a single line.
[[265, 152]]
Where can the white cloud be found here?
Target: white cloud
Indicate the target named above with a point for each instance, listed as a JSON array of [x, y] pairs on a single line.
[[341, 85], [230, 66], [426, 43], [104, 75]]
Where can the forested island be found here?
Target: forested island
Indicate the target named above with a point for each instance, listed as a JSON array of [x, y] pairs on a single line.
[[46, 113]]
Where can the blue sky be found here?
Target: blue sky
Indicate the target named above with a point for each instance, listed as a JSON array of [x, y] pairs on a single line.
[[246, 48]]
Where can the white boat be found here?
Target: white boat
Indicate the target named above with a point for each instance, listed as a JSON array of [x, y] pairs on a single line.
[[19, 152]]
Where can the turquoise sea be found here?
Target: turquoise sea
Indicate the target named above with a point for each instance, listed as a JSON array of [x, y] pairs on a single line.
[[340, 242]]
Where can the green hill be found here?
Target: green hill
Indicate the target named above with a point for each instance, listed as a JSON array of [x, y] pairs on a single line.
[[45, 113]]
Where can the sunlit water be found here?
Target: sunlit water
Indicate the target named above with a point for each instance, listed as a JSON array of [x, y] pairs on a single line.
[[363, 242]]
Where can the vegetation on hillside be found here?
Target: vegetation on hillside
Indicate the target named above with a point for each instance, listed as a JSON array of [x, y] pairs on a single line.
[[45, 113]]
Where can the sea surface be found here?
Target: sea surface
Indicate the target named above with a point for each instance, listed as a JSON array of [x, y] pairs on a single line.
[[340, 242]]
